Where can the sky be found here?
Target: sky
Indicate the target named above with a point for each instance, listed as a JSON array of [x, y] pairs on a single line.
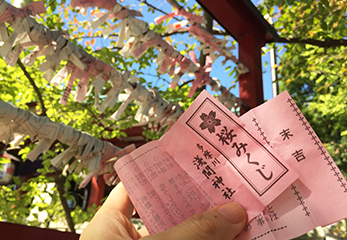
[[218, 71], [217, 68]]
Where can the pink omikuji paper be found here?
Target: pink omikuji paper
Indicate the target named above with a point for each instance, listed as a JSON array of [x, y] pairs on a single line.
[[207, 158], [319, 196]]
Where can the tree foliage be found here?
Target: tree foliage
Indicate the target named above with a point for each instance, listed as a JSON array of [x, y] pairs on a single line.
[[313, 64]]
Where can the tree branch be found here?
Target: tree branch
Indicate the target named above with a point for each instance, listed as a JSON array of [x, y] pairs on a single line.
[[155, 8], [36, 89], [326, 43], [185, 83], [96, 118], [59, 181], [153, 75], [91, 112], [109, 48], [91, 37], [215, 32]]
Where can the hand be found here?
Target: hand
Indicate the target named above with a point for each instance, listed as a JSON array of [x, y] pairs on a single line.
[[112, 222]]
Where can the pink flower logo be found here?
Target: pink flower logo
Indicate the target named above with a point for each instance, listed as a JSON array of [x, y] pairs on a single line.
[[209, 121]]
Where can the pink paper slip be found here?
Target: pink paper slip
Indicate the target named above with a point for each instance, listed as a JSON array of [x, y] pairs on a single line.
[[162, 192], [207, 158], [319, 196]]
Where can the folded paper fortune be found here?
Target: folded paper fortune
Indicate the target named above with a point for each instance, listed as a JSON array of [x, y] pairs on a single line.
[[267, 161]]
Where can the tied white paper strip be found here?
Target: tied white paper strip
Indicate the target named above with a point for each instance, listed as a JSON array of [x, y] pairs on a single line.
[[98, 22], [33, 34], [174, 27], [150, 38], [47, 133], [172, 115], [128, 26], [211, 41], [97, 84], [3, 6], [13, 56], [135, 27], [96, 68], [119, 82], [242, 68], [187, 67], [91, 153], [209, 46], [9, 13], [62, 74], [52, 62], [119, 12], [3, 32], [145, 102], [129, 46], [110, 100], [41, 36], [158, 110], [30, 59], [155, 109], [164, 59], [132, 95], [181, 12], [207, 49], [18, 28], [64, 50], [106, 167], [22, 41]]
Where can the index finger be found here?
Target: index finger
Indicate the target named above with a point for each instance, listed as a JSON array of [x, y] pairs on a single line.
[[118, 200]]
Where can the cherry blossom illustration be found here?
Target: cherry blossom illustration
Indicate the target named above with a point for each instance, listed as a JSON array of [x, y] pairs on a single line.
[[209, 121]]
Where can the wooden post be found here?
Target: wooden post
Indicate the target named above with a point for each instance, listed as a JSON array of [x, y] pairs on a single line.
[[251, 84], [96, 191]]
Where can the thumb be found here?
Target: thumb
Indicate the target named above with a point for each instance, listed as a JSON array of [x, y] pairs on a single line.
[[222, 222]]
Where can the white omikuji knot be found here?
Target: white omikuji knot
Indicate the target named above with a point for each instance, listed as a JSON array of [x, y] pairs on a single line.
[[90, 153]]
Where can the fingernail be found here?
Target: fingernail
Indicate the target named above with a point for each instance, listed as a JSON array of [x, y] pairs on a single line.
[[233, 212]]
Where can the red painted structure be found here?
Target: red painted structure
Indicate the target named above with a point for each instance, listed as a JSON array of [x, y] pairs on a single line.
[[11, 231], [242, 20]]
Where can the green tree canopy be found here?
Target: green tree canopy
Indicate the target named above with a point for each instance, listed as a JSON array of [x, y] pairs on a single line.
[[312, 65]]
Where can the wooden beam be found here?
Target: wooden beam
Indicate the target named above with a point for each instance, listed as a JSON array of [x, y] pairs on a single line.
[[240, 18], [17, 231]]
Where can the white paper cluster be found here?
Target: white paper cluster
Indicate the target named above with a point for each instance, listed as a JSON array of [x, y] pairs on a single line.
[[93, 154], [139, 38], [55, 46], [210, 44]]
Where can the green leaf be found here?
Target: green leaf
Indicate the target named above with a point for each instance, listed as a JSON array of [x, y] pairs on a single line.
[[324, 26], [4, 160], [16, 180]]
